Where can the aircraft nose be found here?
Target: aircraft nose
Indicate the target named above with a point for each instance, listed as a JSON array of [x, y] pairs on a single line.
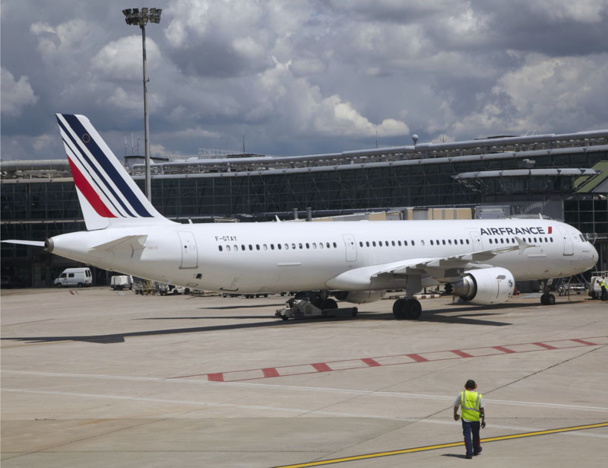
[[592, 255]]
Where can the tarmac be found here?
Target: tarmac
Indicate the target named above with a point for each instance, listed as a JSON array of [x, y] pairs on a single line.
[[93, 377]]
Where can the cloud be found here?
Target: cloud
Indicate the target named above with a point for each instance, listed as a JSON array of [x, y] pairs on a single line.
[[16, 94], [303, 77], [550, 91], [122, 59]]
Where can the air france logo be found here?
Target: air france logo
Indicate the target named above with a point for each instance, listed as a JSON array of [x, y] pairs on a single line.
[[534, 230]]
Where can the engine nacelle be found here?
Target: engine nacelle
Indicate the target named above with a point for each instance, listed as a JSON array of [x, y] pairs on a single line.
[[358, 297], [485, 286]]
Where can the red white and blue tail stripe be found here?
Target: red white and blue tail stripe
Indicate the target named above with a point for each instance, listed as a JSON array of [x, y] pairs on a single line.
[[108, 195]]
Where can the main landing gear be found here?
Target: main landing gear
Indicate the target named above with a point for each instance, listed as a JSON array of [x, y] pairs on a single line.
[[407, 309], [312, 305], [547, 298]]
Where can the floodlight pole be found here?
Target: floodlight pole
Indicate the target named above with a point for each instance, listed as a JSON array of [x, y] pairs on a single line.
[[146, 122], [140, 17]]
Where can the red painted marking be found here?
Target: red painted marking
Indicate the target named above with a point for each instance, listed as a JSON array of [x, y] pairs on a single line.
[[503, 349], [588, 343], [321, 367], [417, 357], [233, 376], [371, 363], [544, 345], [457, 352], [89, 192], [270, 372]]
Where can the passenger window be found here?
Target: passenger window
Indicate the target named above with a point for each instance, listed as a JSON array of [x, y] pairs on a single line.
[[335, 245], [219, 247], [405, 243]]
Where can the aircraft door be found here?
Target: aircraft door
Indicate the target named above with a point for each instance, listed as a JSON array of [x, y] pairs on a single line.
[[189, 250], [477, 243], [351, 247], [568, 245]]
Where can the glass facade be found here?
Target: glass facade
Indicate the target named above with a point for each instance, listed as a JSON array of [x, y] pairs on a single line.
[[36, 209]]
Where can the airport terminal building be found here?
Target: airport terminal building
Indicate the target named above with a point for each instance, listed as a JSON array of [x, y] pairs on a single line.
[[563, 176]]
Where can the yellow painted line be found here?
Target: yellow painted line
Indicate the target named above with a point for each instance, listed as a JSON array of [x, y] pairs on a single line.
[[442, 446]]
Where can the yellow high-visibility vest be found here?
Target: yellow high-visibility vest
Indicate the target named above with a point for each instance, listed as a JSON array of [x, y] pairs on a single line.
[[469, 401]]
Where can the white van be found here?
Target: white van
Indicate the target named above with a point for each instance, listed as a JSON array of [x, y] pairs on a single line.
[[74, 277]]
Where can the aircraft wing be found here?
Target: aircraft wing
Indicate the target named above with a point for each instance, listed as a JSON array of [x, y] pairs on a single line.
[[440, 268]]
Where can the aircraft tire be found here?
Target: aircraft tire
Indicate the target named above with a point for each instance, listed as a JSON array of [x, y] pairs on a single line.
[[399, 309], [413, 309], [330, 304], [547, 299]]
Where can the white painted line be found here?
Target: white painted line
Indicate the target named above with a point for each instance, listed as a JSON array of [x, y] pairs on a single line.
[[270, 408], [370, 393]]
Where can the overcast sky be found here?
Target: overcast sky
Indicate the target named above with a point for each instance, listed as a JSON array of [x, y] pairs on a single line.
[[302, 76]]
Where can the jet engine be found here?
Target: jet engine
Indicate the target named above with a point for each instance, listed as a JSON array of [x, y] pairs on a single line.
[[485, 286], [358, 297]]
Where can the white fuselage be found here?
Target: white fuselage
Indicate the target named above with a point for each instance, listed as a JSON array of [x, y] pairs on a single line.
[[298, 256]]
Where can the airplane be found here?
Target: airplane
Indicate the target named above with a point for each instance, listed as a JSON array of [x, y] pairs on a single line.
[[356, 262]]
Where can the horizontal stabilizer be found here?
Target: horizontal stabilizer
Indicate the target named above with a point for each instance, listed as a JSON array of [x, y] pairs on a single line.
[[25, 242]]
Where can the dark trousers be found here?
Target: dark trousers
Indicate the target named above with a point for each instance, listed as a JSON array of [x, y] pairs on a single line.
[[604, 296], [469, 428]]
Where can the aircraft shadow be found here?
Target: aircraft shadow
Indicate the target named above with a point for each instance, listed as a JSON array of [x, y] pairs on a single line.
[[459, 314], [121, 337], [213, 317], [436, 317], [250, 306]]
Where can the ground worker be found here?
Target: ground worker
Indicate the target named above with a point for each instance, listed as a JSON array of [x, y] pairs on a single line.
[[604, 286], [472, 411]]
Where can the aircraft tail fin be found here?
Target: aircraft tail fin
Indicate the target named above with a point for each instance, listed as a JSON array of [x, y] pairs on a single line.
[[107, 194]]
